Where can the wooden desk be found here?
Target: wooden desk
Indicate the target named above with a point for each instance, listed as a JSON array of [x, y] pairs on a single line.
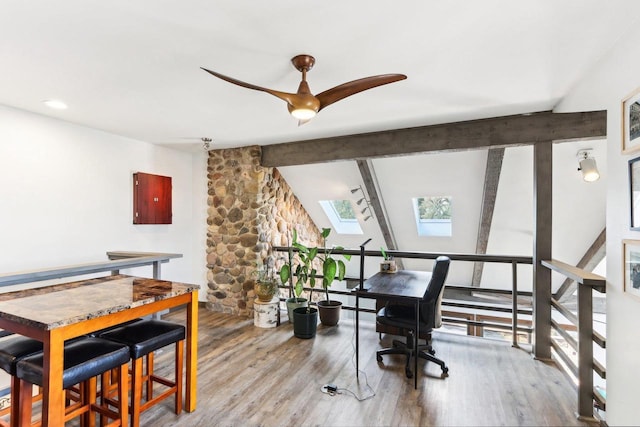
[[53, 314], [405, 285]]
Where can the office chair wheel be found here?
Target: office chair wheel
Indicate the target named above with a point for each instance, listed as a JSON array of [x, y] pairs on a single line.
[[431, 351], [379, 358], [445, 372], [408, 373]]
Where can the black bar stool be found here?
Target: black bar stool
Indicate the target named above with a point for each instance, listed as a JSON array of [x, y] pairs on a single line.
[[84, 359], [11, 350], [143, 338]]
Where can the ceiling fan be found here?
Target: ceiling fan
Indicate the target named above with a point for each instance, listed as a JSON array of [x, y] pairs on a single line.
[[303, 105]]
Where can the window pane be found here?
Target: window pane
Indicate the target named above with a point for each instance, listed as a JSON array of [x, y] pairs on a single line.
[[342, 216], [343, 209], [433, 216], [434, 207]]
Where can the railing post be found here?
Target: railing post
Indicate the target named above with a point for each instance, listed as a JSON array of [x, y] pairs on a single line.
[[586, 365], [585, 352], [156, 270], [156, 275], [514, 303]]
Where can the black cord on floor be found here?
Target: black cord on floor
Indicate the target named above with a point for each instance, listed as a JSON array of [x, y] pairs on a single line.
[[353, 362]]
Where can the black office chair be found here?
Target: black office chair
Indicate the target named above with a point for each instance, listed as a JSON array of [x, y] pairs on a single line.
[[404, 317]]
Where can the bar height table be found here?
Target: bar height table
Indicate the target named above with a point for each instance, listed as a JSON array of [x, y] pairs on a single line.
[[53, 314]]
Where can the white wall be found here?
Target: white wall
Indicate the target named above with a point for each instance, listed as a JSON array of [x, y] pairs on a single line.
[[604, 88], [66, 198]]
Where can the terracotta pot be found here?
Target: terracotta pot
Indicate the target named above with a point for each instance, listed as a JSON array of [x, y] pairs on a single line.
[[329, 312]]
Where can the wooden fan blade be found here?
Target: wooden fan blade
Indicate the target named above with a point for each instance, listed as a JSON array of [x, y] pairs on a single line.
[[288, 97], [337, 93]]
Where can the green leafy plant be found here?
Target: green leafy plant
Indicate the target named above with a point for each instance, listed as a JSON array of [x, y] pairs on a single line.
[[264, 272], [266, 285], [385, 255], [285, 271], [304, 271], [332, 269]]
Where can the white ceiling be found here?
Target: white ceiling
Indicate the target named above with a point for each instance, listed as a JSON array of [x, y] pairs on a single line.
[[132, 67]]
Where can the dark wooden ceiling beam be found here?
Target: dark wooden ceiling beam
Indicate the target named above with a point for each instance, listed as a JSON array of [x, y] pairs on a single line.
[[377, 205], [590, 260], [523, 129]]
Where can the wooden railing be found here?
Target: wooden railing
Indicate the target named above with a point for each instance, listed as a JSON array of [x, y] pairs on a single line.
[[587, 364], [455, 313]]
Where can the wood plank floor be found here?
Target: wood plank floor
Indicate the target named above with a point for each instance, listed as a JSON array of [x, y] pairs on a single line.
[[249, 376]]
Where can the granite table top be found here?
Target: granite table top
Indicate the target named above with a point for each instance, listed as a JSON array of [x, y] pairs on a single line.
[[55, 306]]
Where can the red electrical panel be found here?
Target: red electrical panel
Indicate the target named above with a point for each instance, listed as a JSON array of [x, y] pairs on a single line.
[[151, 199]]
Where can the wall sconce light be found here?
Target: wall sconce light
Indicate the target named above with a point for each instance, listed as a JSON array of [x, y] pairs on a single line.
[[362, 199], [588, 165]]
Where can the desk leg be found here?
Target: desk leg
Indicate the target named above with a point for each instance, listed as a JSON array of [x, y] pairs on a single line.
[[415, 347], [53, 395], [357, 336], [192, 353]]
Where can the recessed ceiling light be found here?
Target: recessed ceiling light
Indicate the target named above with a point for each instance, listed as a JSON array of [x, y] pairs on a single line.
[[55, 104]]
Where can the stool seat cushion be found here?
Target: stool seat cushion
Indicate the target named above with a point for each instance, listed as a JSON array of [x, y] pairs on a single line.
[[110, 328], [14, 348], [83, 359], [146, 336]]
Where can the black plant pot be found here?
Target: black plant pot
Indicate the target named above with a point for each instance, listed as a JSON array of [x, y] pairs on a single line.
[[329, 312], [305, 324]]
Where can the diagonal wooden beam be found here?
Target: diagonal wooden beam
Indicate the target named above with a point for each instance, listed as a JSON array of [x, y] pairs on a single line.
[[588, 262], [491, 180], [524, 129], [377, 204]]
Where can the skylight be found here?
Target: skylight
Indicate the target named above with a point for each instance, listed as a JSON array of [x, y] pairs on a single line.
[[342, 216], [433, 215]]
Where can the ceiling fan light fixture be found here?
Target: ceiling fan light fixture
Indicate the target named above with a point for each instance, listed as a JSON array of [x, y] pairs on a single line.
[[303, 113]]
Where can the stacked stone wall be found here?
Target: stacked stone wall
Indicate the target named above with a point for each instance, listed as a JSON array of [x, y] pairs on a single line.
[[250, 209]]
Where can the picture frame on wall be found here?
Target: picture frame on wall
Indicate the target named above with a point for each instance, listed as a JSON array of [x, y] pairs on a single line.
[[631, 267], [631, 122], [634, 193]]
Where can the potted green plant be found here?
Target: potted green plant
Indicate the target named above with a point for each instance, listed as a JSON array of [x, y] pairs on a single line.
[[286, 277], [332, 269], [305, 319], [389, 264], [266, 285]]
